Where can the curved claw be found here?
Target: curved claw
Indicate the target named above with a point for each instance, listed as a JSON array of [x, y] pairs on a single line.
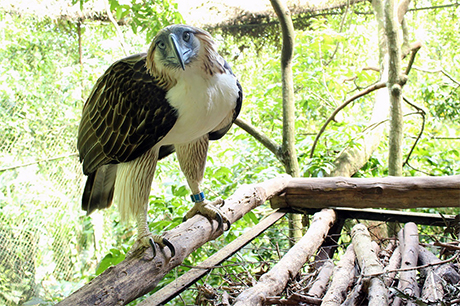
[[170, 247], [152, 244], [228, 225], [220, 221]]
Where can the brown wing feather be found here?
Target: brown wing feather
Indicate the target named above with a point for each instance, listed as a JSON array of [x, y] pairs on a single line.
[[125, 115]]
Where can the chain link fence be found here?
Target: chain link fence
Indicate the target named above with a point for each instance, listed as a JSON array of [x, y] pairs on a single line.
[[40, 183]]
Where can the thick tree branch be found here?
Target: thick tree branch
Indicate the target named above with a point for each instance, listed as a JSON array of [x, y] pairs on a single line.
[[388, 192], [408, 239], [395, 83], [403, 6], [353, 158], [369, 263], [342, 279]]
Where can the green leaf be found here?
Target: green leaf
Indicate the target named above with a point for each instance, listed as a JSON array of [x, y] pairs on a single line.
[[111, 259], [251, 216]]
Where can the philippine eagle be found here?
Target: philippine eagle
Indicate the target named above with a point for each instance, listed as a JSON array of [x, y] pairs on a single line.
[[176, 97]]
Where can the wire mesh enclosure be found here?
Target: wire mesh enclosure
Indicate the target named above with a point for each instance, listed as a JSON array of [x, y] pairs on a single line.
[[40, 183]]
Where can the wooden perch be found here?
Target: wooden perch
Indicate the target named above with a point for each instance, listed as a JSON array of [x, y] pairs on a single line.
[[342, 279], [139, 274], [388, 192], [369, 263], [274, 281]]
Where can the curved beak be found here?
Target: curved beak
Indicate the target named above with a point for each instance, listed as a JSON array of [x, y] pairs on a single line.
[[177, 50]]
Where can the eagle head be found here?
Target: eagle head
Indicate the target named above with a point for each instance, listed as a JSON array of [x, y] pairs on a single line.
[[178, 48]]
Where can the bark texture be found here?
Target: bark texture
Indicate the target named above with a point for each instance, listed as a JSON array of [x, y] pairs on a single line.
[[388, 192], [319, 286], [342, 279], [369, 263], [395, 84], [288, 150], [409, 256]]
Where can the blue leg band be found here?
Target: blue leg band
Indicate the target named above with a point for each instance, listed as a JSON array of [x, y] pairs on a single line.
[[199, 197]]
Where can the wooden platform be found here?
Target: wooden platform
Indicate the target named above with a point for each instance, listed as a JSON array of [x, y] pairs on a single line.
[[387, 192]]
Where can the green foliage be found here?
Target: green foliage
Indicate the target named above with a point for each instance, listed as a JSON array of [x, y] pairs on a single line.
[[144, 16]]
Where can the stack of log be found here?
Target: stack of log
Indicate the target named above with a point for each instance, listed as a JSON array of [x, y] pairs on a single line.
[[403, 272]]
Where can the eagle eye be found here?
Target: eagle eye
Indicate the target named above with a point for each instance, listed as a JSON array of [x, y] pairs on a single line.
[[161, 45], [186, 36]]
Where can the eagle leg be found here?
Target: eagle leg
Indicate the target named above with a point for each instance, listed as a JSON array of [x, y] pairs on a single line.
[[192, 160], [146, 239], [209, 209]]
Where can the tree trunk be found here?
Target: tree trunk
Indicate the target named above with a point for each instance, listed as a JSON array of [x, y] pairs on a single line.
[[351, 159], [395, 83], [289, 154]]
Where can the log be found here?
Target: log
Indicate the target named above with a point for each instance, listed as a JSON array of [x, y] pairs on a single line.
[[356, 295], [388, 192], [140, 273], [445, 271], [385, 254], [342, 279], [388, 215], [319, 286], [369, 263], [274, 281], [409, 257], [432, 291], [393, 264]]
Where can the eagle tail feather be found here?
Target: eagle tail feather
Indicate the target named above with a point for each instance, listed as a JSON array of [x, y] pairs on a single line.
[[98, 192]]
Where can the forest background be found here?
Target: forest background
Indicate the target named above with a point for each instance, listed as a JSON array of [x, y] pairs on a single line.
[[49, 62]]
